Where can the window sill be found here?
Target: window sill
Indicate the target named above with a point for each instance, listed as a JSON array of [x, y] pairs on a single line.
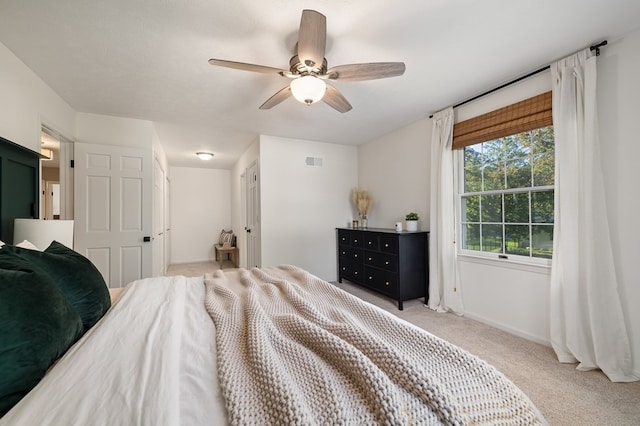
[[539, 268]]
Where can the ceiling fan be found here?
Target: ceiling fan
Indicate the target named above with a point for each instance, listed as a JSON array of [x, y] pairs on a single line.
[[308, 68]]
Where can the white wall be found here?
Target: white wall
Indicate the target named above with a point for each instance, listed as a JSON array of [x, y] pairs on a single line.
[[301, 204], [108, 130], [394, 169], [200, 209], [517, 298], [27, 103]]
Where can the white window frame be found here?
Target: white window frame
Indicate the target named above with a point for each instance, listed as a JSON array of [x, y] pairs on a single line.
[[510, 260]]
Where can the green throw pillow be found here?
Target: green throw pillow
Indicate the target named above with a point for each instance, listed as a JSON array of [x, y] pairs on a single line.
[[37, 325], [76, 277]]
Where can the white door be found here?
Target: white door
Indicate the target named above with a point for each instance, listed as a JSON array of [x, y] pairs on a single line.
[[253, 217], [158, 219], [167, 223], [113, 210]]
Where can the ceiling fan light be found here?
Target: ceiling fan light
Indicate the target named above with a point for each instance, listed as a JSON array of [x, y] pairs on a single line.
[[205, 156], [308, 89]]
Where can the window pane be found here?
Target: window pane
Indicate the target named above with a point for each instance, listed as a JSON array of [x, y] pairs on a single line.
[[492, 238], [519, 173], [517, 239], [471, 237], [542, 236], [473, 179], [493, 151], [473, 155], [543, 169], [516, 208], [543, 141], [518, 146], [471, 209], [493, 176], [491, 208], [542, 206]]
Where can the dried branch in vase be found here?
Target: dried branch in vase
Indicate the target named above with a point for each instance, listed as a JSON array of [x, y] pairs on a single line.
[[362, 200]]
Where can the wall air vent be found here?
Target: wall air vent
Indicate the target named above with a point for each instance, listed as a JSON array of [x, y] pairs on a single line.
[[314, 161]]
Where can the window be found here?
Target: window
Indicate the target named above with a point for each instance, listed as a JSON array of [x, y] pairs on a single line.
[[506, 192]]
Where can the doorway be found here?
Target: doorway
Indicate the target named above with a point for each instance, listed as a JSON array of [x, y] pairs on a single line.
[[56, 185]]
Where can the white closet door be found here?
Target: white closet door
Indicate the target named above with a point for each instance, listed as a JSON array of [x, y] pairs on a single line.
[[113, 210]]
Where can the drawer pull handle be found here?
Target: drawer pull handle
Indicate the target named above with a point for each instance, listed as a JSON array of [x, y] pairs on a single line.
[[386, 263], [344, 252], [344, 268], [369, 242], [370, 259], [386, 245], [355, 241], [355, 255], [370, 278], [356, 273], [386, 283]]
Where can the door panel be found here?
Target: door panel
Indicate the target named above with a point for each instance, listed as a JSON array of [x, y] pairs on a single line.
[[158, 219], [113, 210], [253, 217]]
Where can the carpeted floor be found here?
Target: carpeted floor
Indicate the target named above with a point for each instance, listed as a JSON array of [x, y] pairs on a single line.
[[564, 395]]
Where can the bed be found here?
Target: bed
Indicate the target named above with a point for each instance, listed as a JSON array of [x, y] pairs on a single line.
[[261, 346]]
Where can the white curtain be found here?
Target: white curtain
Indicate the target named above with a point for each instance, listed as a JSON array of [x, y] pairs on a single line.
[[587, 325], [444, 282]]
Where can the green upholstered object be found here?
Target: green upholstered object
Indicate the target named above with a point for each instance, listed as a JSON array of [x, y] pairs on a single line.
[[37, 325], [76, 277]]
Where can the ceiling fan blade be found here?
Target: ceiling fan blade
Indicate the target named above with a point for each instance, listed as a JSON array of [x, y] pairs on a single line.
[[370, 71], [312, 38], [247, 67], [278, 97], [335, 100]]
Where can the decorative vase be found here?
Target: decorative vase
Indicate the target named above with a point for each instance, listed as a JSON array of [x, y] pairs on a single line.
[[363, 221], [412, 225]]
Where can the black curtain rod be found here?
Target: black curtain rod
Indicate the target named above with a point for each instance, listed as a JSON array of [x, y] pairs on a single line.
[[595, 47]]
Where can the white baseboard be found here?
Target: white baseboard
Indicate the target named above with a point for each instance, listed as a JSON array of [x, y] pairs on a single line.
[[192, 261], [509, 329]]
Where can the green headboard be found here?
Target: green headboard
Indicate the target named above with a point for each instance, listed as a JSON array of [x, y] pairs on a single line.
[[19, 182]]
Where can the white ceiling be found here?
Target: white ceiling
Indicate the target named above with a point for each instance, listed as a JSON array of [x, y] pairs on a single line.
[[148, 59]]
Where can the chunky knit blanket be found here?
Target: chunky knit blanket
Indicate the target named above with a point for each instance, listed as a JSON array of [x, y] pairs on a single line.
[[294, 349]]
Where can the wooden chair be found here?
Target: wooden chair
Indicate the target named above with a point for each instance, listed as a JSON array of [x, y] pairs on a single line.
[[227, 250]]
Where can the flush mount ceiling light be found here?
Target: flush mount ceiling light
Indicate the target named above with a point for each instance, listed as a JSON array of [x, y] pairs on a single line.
[[308, 89], [205, 156]]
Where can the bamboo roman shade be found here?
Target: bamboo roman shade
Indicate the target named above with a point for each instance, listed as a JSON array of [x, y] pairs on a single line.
[[529, 114]]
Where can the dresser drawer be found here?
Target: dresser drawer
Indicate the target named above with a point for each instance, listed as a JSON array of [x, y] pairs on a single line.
[[351, 270], [371, 242], [356, 239], [350, 253], [344, 237], [389, 244], [382, 281], [381, 260]]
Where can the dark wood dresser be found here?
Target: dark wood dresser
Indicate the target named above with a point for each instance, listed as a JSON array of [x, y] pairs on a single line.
[[389, 262]]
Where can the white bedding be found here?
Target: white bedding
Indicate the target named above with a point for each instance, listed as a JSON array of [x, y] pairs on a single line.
[[149, 361]]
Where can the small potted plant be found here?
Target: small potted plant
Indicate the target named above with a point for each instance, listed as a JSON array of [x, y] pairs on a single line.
[[411, 219]]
